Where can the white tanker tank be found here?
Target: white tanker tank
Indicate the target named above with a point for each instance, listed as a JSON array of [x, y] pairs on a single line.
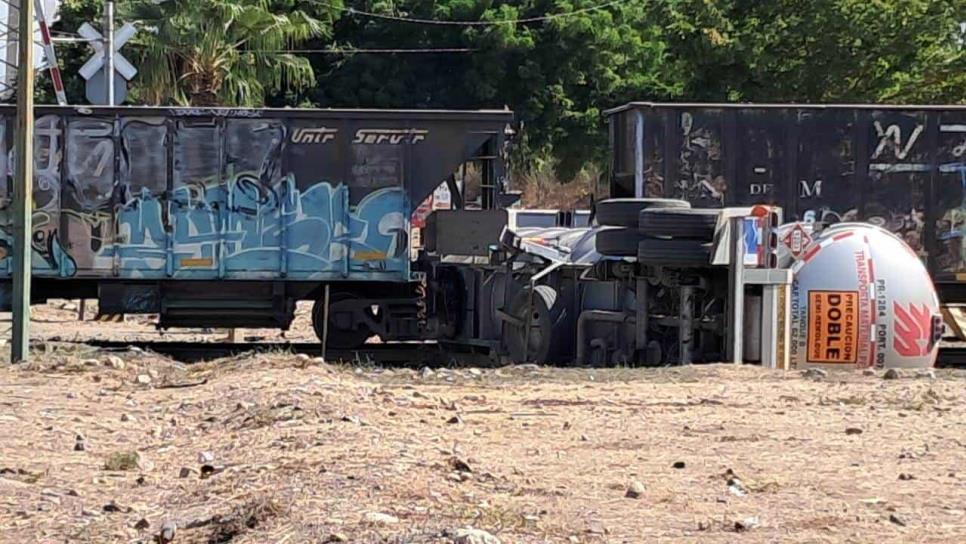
[[860, 297]]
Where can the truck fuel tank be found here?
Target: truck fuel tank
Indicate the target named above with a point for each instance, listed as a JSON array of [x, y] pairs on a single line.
[[861, 297]]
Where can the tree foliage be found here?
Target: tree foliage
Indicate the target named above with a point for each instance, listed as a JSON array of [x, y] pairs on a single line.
[[557, 73], [227, 52]]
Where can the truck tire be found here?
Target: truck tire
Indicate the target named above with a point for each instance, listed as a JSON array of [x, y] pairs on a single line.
[[617, 241], [547, 326], [674, 253], [341, 334], [623, 212], [692, 224]]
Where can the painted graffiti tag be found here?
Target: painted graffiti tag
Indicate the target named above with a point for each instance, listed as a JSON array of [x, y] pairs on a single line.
[[891, 139]]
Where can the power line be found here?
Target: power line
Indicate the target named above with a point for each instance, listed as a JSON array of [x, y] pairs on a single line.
[[416, 20], [367, 51]]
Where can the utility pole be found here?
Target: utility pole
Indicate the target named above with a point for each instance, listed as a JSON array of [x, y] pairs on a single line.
[[109, 49], [23, 185]]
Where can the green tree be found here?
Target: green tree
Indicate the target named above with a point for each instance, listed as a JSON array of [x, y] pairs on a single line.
[[820, 50], [557, 73], [220, 52]]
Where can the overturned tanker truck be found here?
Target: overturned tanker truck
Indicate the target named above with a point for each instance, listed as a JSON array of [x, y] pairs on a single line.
[[228, 217]]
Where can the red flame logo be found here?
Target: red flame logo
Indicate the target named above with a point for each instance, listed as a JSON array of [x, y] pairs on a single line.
[[912, 328]]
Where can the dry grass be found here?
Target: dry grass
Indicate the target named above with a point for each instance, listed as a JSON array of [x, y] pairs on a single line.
[[122, 461], [542, 190]]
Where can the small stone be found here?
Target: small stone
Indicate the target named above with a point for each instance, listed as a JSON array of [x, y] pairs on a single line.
[[460, 465], [71, 395], [153, 373], [303, 357], [736, 487], [470, 535], [208, 471], [891, 374], [678, 465], [475, 372], [168, 530], [115, 362], [868, 372], [897, 520], [143, 379], [186, 472], [455, 420], [205, 458], [80, 444], [90, 362], [353, 419], [145, 464], [635, 490], [337, 537], [426, 373], [926, 374], [381, 518], [125, 417], [815, 373], [746, 524], [141, 480], [584, 438], [142, 524], [112, 507], [853, 431], [906, 477]]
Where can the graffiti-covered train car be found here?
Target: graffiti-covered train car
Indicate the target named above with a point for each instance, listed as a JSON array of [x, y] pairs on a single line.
[[257, 208], [899, 167]]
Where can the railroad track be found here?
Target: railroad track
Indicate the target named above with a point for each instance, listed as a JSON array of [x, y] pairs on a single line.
[[951, 357], [393, 353]]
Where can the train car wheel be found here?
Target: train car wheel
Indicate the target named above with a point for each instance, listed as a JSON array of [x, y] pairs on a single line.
[[344, 330]]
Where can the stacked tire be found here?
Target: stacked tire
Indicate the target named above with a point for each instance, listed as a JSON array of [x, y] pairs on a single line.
[[619, 219], [657, 231], [677, 238]]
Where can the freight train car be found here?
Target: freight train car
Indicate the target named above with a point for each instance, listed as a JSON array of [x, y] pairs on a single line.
[[227, 217], [899, 167]]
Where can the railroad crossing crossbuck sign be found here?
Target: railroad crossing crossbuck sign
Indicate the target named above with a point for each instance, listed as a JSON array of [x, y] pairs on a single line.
[[93, 69]]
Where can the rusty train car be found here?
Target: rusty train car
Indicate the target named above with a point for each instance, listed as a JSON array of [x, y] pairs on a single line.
[[899, 167]]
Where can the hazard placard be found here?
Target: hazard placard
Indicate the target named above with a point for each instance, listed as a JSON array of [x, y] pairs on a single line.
[[797, 240], [833, 320]]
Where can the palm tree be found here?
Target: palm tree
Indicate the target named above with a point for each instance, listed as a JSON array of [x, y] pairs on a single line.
[[220, 52]]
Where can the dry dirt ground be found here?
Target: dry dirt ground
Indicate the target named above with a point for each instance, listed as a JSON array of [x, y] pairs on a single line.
[[98, 447]]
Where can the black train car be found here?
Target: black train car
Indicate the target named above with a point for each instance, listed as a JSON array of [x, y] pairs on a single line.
[[900, 167]]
